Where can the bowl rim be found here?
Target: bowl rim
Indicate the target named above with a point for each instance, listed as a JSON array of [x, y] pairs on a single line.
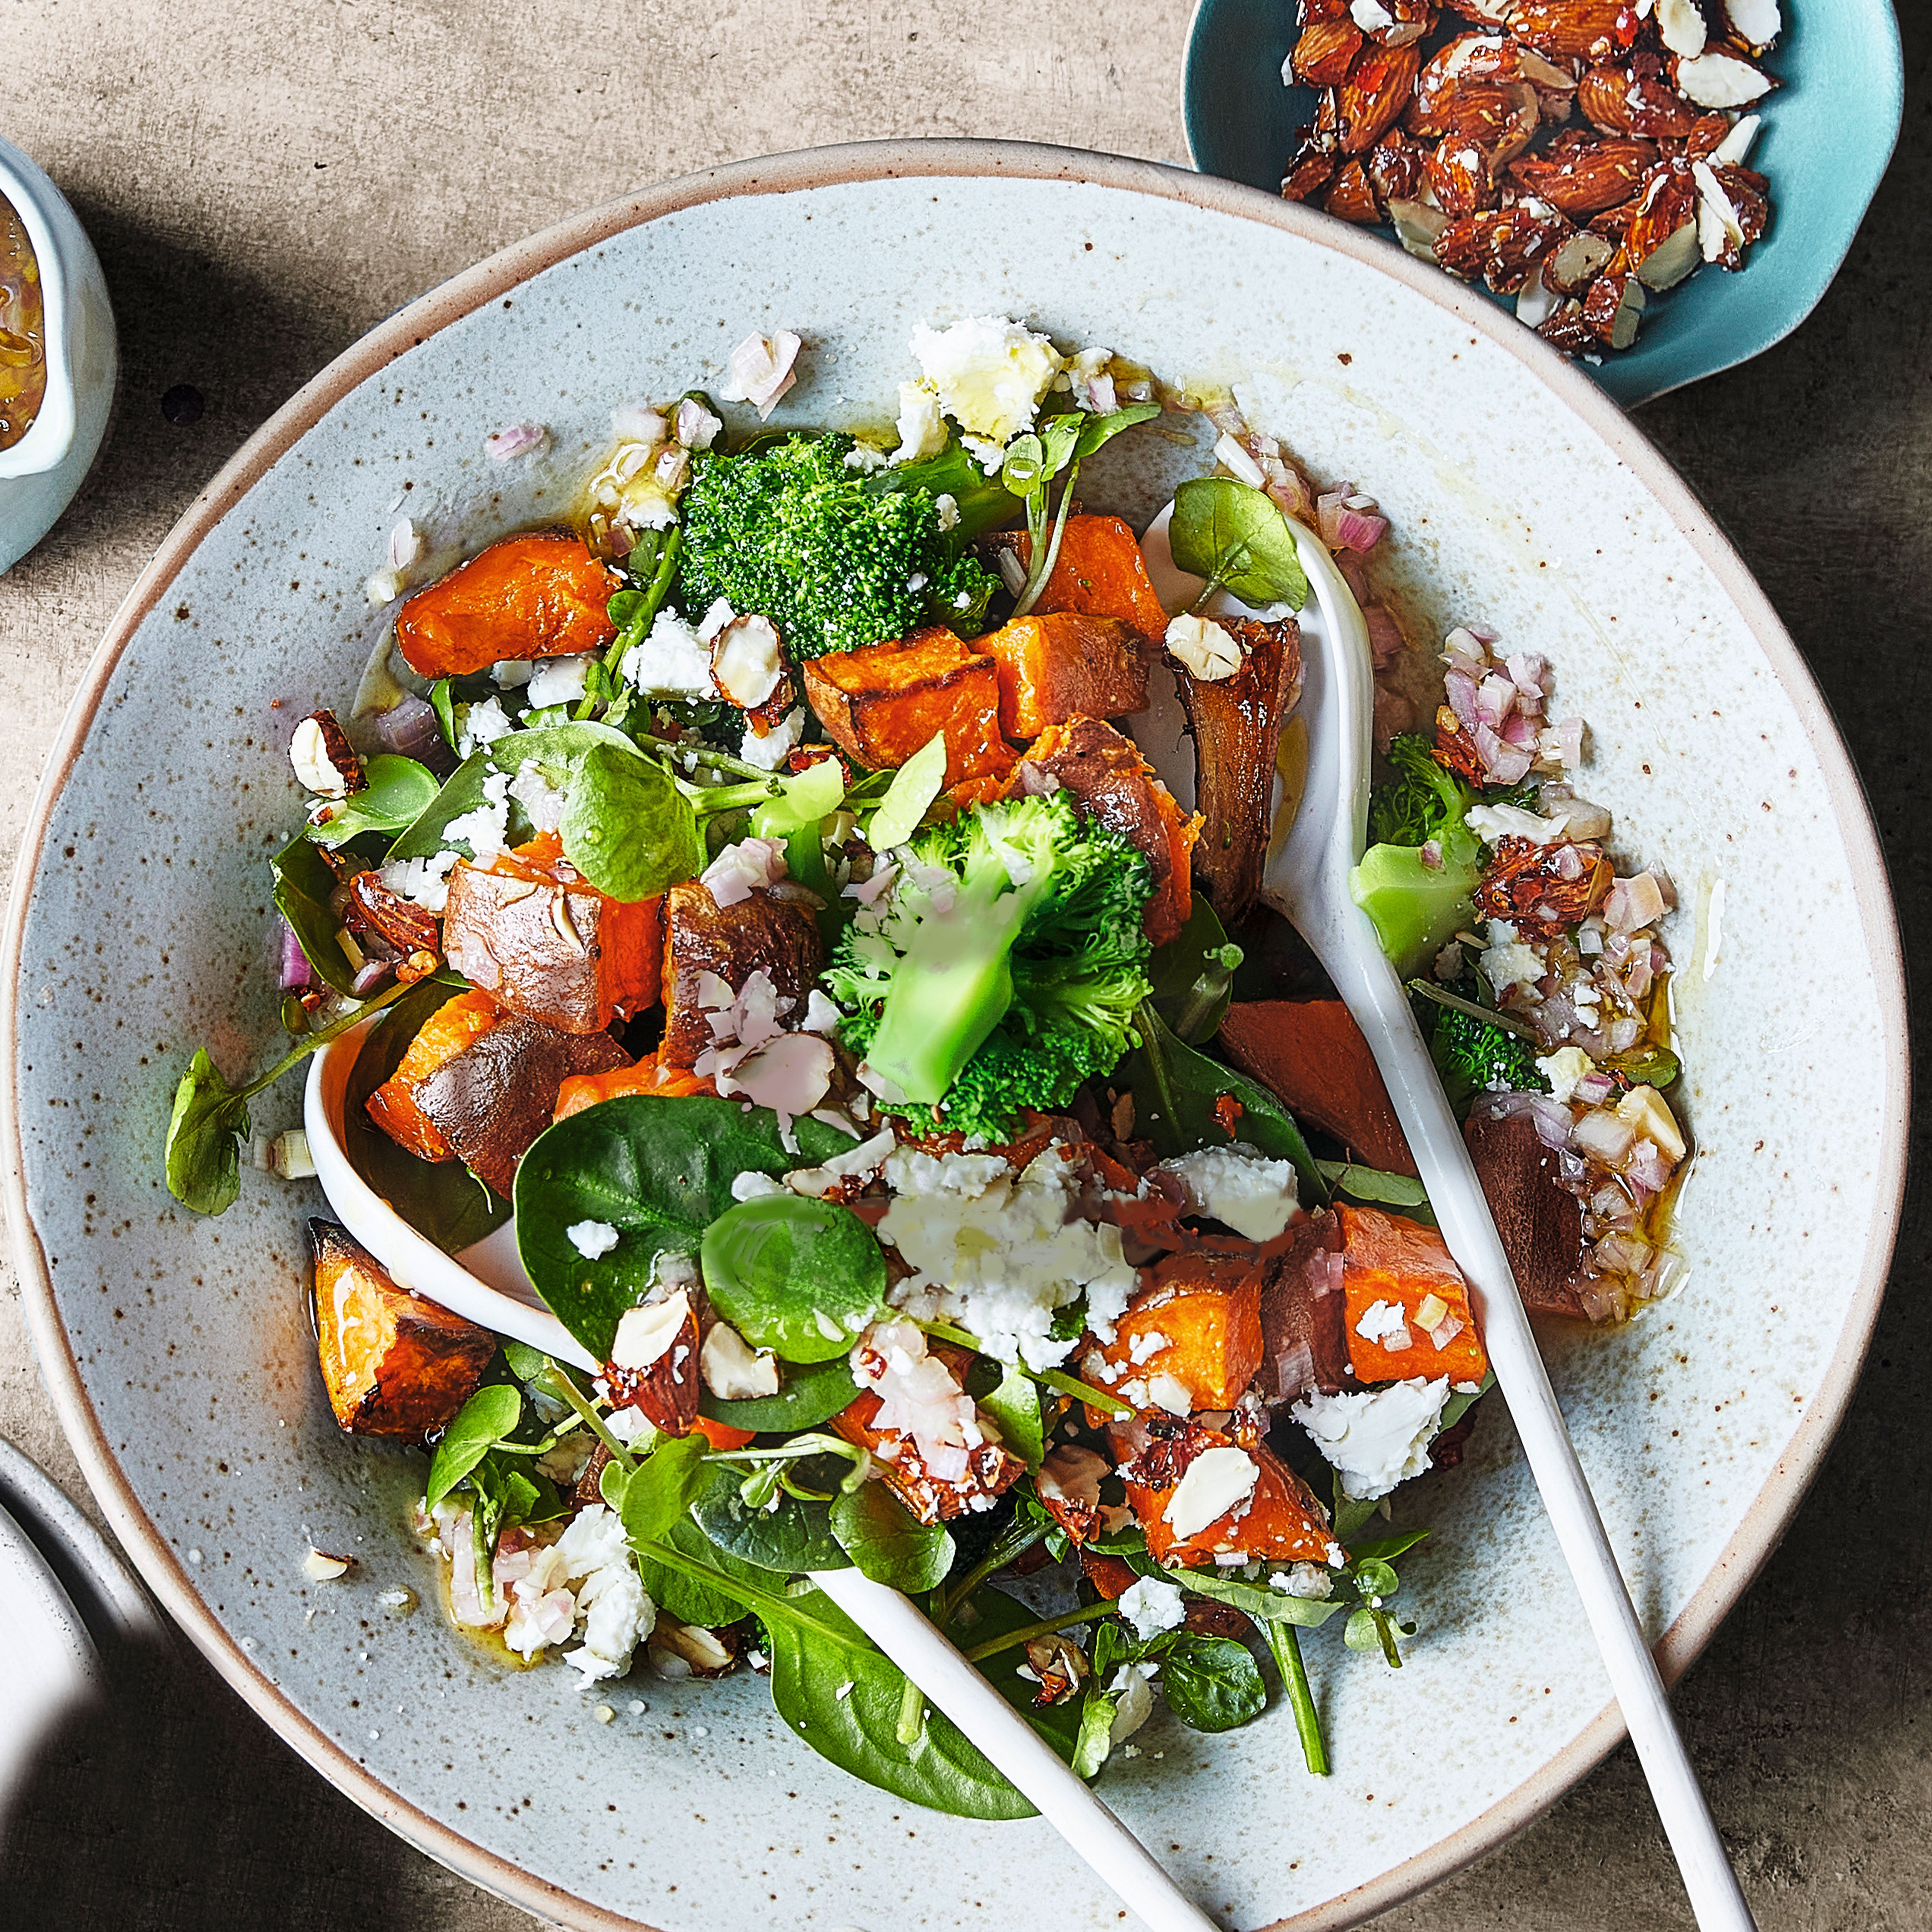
[[1764, 1519], [39, 203]]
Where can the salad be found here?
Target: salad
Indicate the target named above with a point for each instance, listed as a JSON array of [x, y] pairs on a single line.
[[902, 1089]]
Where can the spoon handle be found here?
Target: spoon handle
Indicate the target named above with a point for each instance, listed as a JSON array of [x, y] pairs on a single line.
[[1376, 997], [952, 1685]]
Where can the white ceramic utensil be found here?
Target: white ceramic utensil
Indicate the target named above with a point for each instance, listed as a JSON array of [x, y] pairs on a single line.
[[486, 1284], [1306, 879]]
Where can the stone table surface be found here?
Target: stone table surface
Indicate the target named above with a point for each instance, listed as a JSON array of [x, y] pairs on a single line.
[[265, 181]]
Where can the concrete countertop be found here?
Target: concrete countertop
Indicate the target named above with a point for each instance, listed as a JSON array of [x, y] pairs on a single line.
[[264, 182]]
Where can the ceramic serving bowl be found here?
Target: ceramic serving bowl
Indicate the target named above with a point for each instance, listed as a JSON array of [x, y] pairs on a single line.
[[41, 475], [1827, 139], [179, 1349]]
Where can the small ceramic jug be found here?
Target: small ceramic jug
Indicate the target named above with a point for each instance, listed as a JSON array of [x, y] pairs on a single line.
[[39, 474]]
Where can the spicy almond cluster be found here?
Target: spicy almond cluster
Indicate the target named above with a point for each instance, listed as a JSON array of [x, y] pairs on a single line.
[[1578, 155]]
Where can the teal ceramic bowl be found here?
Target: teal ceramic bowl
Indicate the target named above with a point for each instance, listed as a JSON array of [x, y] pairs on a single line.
[[1828, 135]]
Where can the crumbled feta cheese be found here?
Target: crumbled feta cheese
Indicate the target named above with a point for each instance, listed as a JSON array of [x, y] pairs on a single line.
[[1150, 1343], [423, 882], [1150, 1606], [481, 723], [486, 829], [560, 681], [1507, 963], [592, 1239], [733, 1370], [865, 457], [1563, 1068], [918, 1397], [1000, 1254], [1133, 1702], [1378, 1438], [1209, 652], [770, 751], [1490, 822], [1238, 1186], [989, 373], [1217, 1480], [820, 1015], [670, 662], [1167, 1392], [948, 507], [922, 430], [542, 802], [511, 674], [1303, 1579], [1384, 1322], [740, 869], [620, 1616]]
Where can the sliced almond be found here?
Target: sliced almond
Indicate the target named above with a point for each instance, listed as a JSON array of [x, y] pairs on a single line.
[[1577, 261], [1717, 79], [1719, 229], [1417, 227], [1754, 24], [1680, 23], [1535, 303], [324, 1568], [1671, 260], [1734, 150]]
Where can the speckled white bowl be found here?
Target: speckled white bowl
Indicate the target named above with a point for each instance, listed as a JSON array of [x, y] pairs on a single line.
[[179, 1349]]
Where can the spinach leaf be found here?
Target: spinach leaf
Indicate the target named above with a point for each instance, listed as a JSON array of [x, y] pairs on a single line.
[[1014, 1405], [807, 1397], [205, 1131], [1387, 1549], [842, 1697], [680, 1594], [443, 702], [1236, 538], [799, 1277], [1458, 1404], [1176, 1088], [658, 1170], [399, 791], [989, 1614], [1212, 1683], [662, 1487], [303, 884], [914, 786], [887, 1542], [1193, 975], [481, 1423], [794, 1536], [627, 828], [442, 1200], [1096, 430], [1371, 1184]]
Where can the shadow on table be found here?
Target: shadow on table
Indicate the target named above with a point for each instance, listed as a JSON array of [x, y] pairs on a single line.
[[169, 1808]]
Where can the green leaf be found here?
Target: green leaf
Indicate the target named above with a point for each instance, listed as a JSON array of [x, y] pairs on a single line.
[[481, 1423], [205, 1131], [983, 501], [887, 1543], [989, 1614], [807, 1396], [799, 1277], [681, 1595], [1458, 1404], [626, 827], [303, 884], [1236, 537], [1371, 1184], [399, 791], [1175, 1089], [1212, 1683], [915, 785], [442, 1200], [1096, 430], [1059, 439], [806, 799], [660, 1172], [1095, 1737], [841, 1697], [1193, 975], [662, 1487], [1014, 1406], [1386, 1548], [792, 1536], [444, 705], [1361, 1633], [527, 1364], [1260, 1601]]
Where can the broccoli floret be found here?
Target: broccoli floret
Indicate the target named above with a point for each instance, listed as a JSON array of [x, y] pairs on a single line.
[[1005, 968], [1473, 1057], [1416, 881], [792, 532]]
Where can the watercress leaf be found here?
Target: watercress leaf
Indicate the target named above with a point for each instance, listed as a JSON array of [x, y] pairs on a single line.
[[799, 1277], [303, 884], [613, 1480], [1236, 536], [794, 1536], [1212, 1683], [526, 1364], [841, 1697], [626, 827], [914, 786], [679, 1594], [442, 1200], [1193, 975], [807, 1396], [521, 1500], [1374, 1577], [1260, 1601], [1372, 1183], [660, 1172], [205, 1131], [481, 1423], [1177, 1089], [886, 1543], [1095, 1737], [1386, 1548], [1096, 430], [662, 1487], [1025, 467], [1359, 1632], [398, 792], [1015, 1406], [1059, 439], [1348, 1516]]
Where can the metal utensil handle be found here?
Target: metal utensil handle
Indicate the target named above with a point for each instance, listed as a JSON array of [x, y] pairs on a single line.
[[952, 1685]]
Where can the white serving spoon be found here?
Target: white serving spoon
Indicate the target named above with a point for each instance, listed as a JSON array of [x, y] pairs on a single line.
[[486, 1284], [1306, 879]]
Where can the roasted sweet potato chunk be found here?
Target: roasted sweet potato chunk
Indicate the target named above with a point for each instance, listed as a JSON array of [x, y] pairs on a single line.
[[525, 597], [764, 933], [454, 1026], [1408, 1310], [1304, 1330], [1195, 1323], [1100, 571], [530, 931], [1540, 1220], [1064, 664], [1312, 1055], [491, 1101], [393, 1363], [1110, 782], [586, 1089], [1271, 1516], [883, 703]]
